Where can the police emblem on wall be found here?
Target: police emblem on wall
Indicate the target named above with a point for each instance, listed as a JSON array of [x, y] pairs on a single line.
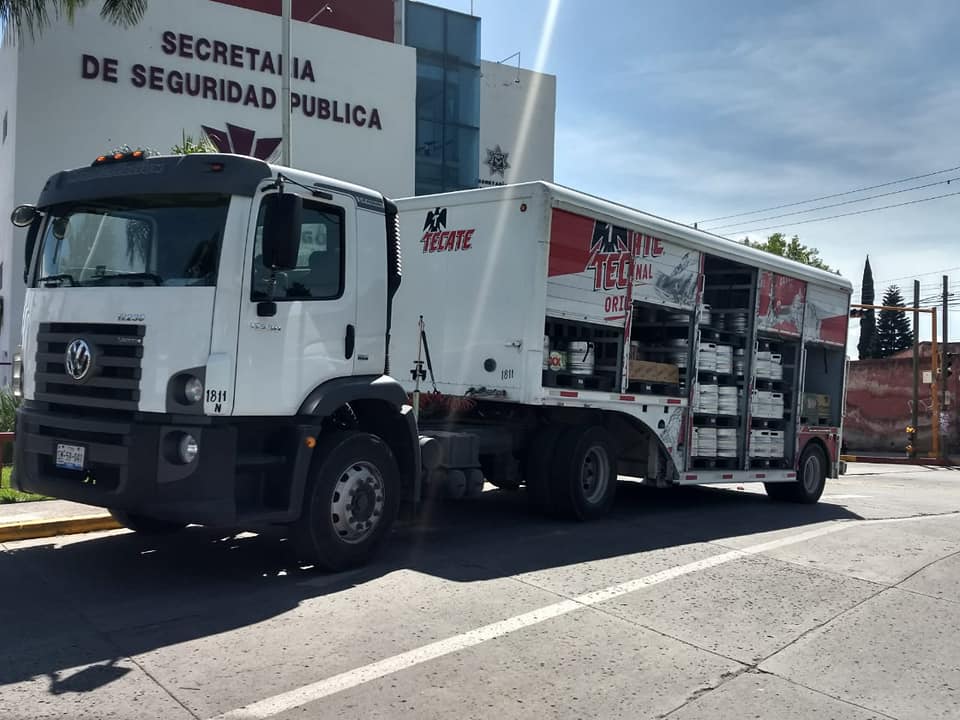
[[497, 161]]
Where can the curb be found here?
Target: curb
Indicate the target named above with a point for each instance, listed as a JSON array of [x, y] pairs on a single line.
[[893, 460], [30, 529]]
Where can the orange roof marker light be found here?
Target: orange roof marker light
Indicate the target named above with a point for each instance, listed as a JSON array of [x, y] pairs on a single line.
[[122, 155]]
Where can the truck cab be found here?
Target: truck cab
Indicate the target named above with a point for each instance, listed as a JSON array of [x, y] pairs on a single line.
[[200, 334]]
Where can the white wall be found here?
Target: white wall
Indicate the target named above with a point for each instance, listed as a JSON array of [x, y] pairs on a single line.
[[10, 291], [65, 121], [78, 118], [518, 114]]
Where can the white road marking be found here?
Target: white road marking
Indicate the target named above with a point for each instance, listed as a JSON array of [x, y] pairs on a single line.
[[358, 676]]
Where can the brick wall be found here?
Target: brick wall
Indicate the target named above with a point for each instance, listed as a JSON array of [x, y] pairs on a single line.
[[879, 404]]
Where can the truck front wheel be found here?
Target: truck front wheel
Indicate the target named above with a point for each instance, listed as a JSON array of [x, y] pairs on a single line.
[[351, 501]]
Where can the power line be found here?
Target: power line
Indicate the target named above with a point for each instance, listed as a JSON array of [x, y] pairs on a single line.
[[828, 197], [918, 275], [839, 204], [857, 212]]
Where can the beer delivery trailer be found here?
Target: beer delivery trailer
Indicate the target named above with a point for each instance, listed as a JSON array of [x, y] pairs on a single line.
[[212, 339]]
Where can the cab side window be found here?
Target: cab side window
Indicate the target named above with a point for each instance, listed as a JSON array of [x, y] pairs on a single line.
[[320, 264]]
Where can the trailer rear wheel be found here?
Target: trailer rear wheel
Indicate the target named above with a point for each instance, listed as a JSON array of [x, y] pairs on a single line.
[[145, 525], [537, 468], [583, 481], [351, 501], [811, 479]]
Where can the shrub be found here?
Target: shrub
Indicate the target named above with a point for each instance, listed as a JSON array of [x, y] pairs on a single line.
[[8, 421]]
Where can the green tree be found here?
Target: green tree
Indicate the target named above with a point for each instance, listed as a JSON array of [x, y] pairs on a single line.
[[893, 328], [188, 145], [792, 249], [29, 18], [867, 347]]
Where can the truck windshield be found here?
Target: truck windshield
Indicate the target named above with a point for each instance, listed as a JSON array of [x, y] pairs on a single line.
[[133, 241]]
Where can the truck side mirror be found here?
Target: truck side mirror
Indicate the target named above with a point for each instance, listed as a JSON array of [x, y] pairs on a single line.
[[23, 215], [281, 230], [30, 245]]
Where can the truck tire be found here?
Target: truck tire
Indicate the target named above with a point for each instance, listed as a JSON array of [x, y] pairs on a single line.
[[583, 479], [145, 525], [811, 479], [350, 503], [537, 467]]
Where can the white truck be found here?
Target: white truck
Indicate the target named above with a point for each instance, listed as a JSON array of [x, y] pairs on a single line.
[[212, 339]]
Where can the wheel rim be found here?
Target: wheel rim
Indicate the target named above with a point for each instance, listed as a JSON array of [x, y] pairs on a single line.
[[811, 473], [594, 474], [356, 506]]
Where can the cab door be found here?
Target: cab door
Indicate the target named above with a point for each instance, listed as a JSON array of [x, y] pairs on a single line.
[[298, 327]]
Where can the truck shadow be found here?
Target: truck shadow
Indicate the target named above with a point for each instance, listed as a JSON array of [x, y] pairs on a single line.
[[71, 614]]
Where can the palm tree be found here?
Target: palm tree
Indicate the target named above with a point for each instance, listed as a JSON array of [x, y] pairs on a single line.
[[22, 18]]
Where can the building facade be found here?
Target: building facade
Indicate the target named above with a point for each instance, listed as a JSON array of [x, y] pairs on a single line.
[[385, 93]]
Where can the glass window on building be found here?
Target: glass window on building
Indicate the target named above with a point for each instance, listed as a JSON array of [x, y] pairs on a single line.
[[448, 97]]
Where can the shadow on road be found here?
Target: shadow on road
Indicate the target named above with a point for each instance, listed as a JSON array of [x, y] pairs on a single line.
[[98, 600]]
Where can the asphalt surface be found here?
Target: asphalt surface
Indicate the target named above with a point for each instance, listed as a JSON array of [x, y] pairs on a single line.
[[687, 604]]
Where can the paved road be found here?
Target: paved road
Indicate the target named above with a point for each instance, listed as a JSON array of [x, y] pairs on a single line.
[[700, 603]]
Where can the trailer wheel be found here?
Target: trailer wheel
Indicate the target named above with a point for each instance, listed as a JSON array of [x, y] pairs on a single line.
[[145, 525], [583, 481], [537, 467], [811, 479], [351, 501]]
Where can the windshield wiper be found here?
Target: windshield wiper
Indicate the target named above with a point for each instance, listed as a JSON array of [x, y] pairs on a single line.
[[58, 279], [156, 279]]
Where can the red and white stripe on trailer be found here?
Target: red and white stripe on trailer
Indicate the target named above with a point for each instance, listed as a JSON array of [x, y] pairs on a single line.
[[594, 397], [706, 477]]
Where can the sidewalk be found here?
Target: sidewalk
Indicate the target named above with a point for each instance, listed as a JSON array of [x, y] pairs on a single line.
[[887, 458], [47, 518]]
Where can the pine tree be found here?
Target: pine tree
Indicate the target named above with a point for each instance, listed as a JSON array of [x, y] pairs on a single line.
[[867, 347], [893, 328]]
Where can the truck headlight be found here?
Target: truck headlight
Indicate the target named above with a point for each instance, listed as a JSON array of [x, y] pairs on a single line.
[[193, 390], [18, 373], [188, 448]]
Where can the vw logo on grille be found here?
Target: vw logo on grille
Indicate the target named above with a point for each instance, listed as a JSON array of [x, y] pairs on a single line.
[[79, 359]]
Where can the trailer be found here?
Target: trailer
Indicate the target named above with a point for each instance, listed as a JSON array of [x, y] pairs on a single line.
[[565, 316], [212, 339]]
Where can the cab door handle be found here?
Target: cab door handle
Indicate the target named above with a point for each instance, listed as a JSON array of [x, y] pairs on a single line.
[[349, 341]]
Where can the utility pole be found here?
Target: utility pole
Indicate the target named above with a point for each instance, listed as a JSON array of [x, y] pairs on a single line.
[[916, 364], [934, 392], [287, 60], [943, 357]]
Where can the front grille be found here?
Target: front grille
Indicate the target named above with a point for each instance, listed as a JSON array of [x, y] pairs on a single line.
[[113, 381]]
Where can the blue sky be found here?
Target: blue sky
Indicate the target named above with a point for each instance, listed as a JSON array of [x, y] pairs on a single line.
[[694, 109]]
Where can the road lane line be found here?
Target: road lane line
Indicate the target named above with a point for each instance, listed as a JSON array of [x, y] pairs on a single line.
[[312, 692]]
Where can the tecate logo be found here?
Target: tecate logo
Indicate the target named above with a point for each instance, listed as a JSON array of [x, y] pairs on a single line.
[[436, 238]]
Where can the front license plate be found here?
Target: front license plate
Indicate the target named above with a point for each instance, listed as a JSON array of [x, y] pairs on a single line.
[[70, 457]]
